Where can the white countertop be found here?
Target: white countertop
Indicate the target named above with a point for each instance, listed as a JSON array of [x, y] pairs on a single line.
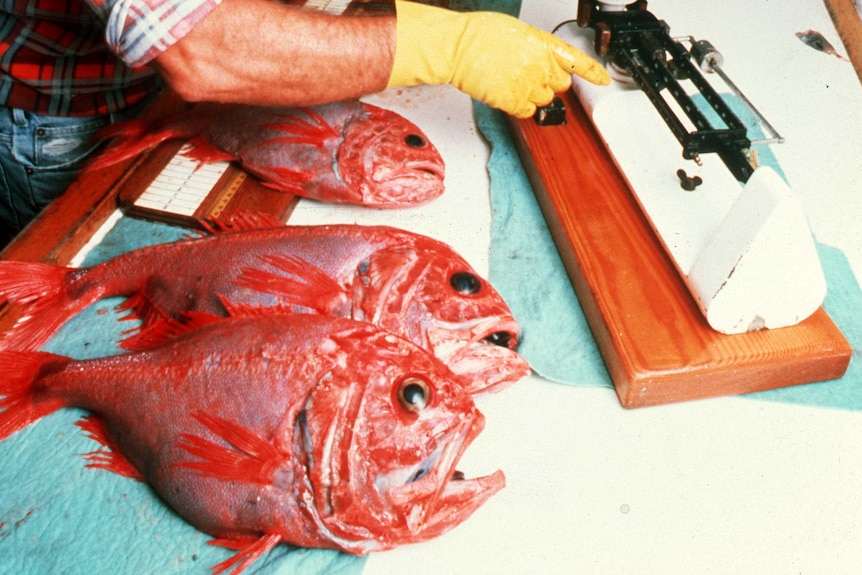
[[730, 485]]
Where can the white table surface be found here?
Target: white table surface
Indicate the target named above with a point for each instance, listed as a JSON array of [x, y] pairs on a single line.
[[729, 485]]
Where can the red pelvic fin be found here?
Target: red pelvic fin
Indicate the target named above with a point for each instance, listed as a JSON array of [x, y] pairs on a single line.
[[250, 550], [283, 179], [247, 458], [108, 456], [21, 370], [309, 285], [40, 291]]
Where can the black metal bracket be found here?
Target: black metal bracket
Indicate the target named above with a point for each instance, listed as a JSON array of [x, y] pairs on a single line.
[[639, 44]]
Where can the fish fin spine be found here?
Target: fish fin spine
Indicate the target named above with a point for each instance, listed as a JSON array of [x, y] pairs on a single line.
[[313, 132], [247, 458], [202, 151], [165, 329], [250, 550], [20, 407], [241, 220], [108, 457], [132, 137]]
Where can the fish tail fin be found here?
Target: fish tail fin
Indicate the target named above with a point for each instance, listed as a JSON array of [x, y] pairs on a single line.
[[20, 407], [41, 292], [250, 550], [132, 137], [108, 456]]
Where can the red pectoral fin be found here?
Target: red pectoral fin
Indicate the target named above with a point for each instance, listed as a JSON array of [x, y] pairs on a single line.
[[302, 284], [109, 457], [247, 458], [250, 550], [299, 131]]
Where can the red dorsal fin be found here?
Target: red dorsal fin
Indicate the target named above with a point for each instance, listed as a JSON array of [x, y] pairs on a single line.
[[21, 370], [108, 456], [309, 285], [247, 458], [241, 220], [250, 550]]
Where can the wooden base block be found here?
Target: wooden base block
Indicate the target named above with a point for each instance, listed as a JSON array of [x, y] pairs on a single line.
[[656, 345]]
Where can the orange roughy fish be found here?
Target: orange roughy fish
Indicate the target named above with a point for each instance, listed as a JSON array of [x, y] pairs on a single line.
[[407, 283], [349, 152], [310, 430]]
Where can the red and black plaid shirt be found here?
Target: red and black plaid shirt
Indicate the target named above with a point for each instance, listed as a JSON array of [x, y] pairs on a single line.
[[55, 59]]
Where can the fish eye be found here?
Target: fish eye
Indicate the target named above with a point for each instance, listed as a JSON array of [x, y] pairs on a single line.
[[414, 394], [414, 141], [465, 283], [501, 338]]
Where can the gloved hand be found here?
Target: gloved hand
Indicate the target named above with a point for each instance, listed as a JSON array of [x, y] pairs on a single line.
[[494, 58]]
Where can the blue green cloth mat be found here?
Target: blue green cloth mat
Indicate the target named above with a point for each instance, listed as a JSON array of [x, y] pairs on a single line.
[[58, 517]]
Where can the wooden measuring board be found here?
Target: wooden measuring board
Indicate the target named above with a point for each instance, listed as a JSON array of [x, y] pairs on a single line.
[[848, 23], [170, 188], [655, 343]]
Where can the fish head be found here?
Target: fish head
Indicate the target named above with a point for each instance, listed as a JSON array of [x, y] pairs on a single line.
[[383, 435], [389, 160], [430, 295]]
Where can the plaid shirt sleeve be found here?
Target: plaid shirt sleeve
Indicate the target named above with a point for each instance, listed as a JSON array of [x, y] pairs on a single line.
[[139, 30]]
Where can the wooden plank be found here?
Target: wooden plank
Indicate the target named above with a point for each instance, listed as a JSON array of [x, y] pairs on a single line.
[[656, 345], [849, 25]]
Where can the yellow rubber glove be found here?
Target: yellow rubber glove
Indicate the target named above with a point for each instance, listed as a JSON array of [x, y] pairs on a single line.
[[494, 58]]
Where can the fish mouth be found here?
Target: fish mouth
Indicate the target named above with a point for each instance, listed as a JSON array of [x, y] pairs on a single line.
[[412, 504], [433, 493], [417, 168], [481, 352], [415, 182]]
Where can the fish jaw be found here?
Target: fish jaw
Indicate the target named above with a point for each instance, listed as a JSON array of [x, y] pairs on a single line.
[[413, 183], [441, 498], [468, 349]]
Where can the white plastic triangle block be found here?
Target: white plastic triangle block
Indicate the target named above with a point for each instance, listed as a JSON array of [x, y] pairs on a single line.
[[760, 268]]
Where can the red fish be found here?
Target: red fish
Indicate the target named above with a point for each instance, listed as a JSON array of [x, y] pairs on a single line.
[[309, 430], [410, 284], [349, 152]]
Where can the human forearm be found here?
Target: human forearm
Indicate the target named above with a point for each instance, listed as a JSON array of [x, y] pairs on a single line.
[[261, 52]]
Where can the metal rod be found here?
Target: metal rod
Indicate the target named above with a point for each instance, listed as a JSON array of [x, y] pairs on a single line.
[[776, 137]]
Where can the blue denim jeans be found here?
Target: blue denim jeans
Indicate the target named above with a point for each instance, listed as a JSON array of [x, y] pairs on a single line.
[[39, 157]]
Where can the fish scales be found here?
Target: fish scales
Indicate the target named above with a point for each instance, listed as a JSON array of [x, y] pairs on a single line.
[[261, 430], [408, 283]]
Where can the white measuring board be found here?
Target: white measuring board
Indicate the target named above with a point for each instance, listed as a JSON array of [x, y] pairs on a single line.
[[182, 185]]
